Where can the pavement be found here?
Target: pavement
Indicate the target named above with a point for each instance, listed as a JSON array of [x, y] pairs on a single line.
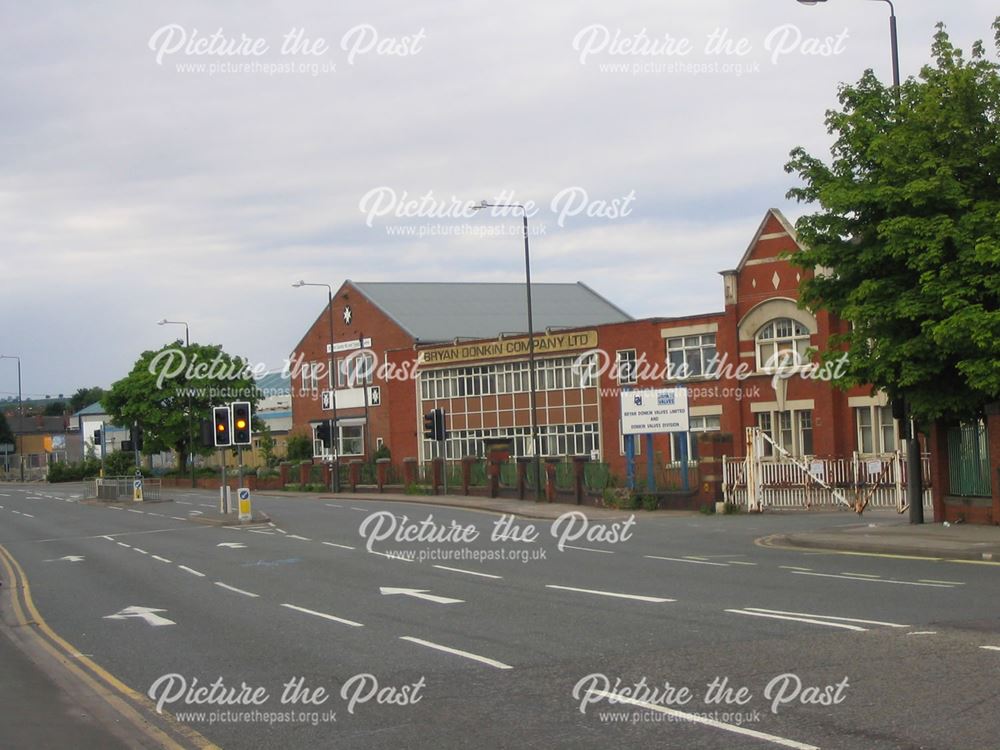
[[38, 712], [934, 540]]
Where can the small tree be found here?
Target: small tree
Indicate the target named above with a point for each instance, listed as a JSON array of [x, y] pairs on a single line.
[[299, 447], [267, 443]]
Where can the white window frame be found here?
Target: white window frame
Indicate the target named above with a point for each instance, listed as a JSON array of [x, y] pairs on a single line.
[[774, 347], [784, 427], [626, 366], [700, 342], [880, 420], [696, 424]]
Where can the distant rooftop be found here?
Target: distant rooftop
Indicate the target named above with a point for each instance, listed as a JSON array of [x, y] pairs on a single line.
[[443, 311]]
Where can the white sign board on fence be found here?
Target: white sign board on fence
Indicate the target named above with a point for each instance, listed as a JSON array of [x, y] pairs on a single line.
[[654, 410]]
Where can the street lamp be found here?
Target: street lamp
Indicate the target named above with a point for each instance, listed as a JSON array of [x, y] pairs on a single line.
[[20, 410], [531, 342], [914, 483], [187, 345], [892, 38], [334, 442]]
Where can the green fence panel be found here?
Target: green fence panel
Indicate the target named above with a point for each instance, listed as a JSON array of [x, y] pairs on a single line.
[[564, 476], [596, 476], [508, 474], [969, 460]]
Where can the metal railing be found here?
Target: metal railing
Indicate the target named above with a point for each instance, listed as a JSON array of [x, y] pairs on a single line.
[[123, 488]]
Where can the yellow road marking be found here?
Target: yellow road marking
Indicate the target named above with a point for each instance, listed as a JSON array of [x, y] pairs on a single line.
[[16, 573]]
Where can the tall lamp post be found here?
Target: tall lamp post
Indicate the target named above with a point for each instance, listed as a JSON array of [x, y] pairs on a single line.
[[914, 468], [531, 342], [187, 345], [892, 38], [334, 442], [20, 410]]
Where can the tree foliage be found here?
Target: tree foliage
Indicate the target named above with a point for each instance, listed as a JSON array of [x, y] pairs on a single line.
[[906, 238], [6, 435], [164, 384], [84, 397]]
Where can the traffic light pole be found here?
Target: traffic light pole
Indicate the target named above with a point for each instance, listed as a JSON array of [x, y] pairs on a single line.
[[223, 505]]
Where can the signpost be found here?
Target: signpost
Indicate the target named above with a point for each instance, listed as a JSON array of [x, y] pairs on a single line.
[[244, 504], [137, 487], [651, 411]]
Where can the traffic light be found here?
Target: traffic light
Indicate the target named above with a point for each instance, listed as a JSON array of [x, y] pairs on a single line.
[[137, 437], [241, 423], [434, 425], [221, 435], [439, 431], [206, 432]]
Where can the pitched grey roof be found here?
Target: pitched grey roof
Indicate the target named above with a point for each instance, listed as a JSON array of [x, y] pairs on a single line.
[[433, 311]]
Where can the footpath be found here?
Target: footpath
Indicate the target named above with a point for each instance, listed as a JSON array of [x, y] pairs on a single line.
[[898, 537]]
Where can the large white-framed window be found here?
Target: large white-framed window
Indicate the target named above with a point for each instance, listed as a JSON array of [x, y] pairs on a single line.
[[639, 440], [692, 357], [350, 439], [508, 377], [877, 430], [356, 369], [782, 343], [310, 377], [554, 440], [707, 423], [790, 429], [625, 366]]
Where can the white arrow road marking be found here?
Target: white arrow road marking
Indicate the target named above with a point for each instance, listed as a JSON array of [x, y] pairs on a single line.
[[324, 615], [143, 613], [419, 594], [695, 718], [655, 599], [67, 558], [232, 545]]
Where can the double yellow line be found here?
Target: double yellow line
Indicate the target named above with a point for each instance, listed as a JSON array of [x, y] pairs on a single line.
[[160, 728]]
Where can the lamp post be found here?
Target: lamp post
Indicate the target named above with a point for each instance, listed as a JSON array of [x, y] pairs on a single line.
[[20, 410], [531, 342], [892, 39], [187, 345], [914, 470], [334, 442]]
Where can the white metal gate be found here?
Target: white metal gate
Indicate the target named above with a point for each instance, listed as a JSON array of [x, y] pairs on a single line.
[[783, 481]]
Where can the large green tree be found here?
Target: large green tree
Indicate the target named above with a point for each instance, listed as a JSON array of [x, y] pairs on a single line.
[[163, 386], [905, 240], [6, 435]]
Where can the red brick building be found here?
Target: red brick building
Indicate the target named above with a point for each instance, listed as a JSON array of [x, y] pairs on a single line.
[[726, 359]]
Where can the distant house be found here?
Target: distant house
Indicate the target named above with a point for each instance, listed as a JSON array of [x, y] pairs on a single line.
[[89, 421], [40, 441]]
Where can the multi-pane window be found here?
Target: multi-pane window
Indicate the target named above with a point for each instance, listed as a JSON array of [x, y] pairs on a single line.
[[350, 439], [709, 423], [355, 369], [625, 366], [782, 343], [791, 430], [507, 377], [876, 429], [692, 356], [310, 376], [554, 440]]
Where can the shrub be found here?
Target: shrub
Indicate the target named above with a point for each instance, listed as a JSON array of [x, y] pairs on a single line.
[[418, 489], [74, 472], [119, 464], [650, 502], [299, 448], [732, 508], [621, 498]]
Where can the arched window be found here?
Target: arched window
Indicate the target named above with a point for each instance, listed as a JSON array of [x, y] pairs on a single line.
[[782, 343]]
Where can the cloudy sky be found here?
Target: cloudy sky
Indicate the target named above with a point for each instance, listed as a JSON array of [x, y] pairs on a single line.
[[154, 166]]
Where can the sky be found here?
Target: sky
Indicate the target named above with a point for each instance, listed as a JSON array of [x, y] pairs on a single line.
[[190, 161]]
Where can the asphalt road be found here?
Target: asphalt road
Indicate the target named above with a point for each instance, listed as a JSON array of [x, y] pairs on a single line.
[[511, 643]]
